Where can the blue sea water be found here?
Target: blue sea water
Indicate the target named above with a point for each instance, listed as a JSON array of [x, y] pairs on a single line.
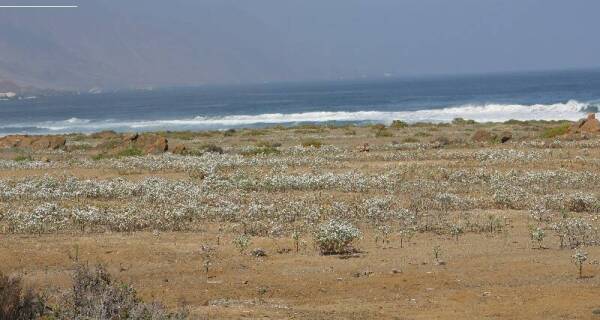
[[487, 98]]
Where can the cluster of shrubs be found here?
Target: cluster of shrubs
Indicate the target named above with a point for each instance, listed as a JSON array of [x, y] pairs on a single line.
[[94, 295]]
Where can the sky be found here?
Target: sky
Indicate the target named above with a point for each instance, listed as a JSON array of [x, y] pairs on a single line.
[[136, 43]]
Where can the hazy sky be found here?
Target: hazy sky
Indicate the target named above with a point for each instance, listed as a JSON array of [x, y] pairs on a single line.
[[175, 42]]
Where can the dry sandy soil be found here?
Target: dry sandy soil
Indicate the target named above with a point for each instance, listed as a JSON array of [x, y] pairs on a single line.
[[482, 275]]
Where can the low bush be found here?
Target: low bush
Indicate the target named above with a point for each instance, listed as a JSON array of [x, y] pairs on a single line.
[[461, 121], [311, 143], [554, 132], [336, 237], [23, 158], [212, 148], [96, 295], [398, 124], [131, 152], [378, 126], [383, 133]]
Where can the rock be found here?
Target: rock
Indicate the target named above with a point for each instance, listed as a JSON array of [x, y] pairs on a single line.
[[178, 149], [483, 136], [258, 252], [13, 141], [596, 311], [131, 136], [49, 143], [396, 271], [505, 137], [106, 134], [34, 142], [587, 125], [591, 124], [160, 145]]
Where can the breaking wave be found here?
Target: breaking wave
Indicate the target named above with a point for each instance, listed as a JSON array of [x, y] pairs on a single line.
[[571, 110]]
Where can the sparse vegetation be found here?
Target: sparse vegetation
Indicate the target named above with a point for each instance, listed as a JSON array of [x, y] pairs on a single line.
[[311, 143], [266, 213], [554, 132], [336, 236]]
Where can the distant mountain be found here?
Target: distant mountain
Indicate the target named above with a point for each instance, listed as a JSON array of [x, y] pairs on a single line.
[[9, 86], [107, 44], [110, 44]]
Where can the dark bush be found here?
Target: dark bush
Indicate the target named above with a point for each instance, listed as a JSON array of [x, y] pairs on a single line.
[[17, 303], [96, 295], [211, 148]]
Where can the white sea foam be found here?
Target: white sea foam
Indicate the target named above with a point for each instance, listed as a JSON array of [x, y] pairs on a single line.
[[572, 110]]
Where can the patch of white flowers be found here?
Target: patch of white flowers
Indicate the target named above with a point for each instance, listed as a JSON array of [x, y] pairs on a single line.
[[336, 236]]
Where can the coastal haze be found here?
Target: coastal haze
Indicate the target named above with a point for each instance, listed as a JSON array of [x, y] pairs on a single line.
[[139, 44]]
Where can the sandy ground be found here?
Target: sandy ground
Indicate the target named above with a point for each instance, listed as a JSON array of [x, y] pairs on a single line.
[[479, 276]]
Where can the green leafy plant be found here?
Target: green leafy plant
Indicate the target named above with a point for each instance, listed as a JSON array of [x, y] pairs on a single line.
[[242, 242]]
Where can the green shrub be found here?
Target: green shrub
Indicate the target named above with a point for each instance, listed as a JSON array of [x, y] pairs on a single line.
[[461, 121], [311, 143], [517, 122], [255, 132], [23, 158], [229, 132], [254, 151], [398, 124], [553, 132], [268, 144], [130, 152]]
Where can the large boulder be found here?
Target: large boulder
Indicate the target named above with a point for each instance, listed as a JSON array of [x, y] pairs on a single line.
[[15, 141], [151, 143], [33, 142], [587, 125]]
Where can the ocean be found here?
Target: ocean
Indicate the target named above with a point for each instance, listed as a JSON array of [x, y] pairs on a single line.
[[564, 95]]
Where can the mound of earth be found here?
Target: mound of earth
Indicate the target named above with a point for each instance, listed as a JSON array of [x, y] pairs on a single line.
[[587, 125], [33, 142], [114, 143]]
